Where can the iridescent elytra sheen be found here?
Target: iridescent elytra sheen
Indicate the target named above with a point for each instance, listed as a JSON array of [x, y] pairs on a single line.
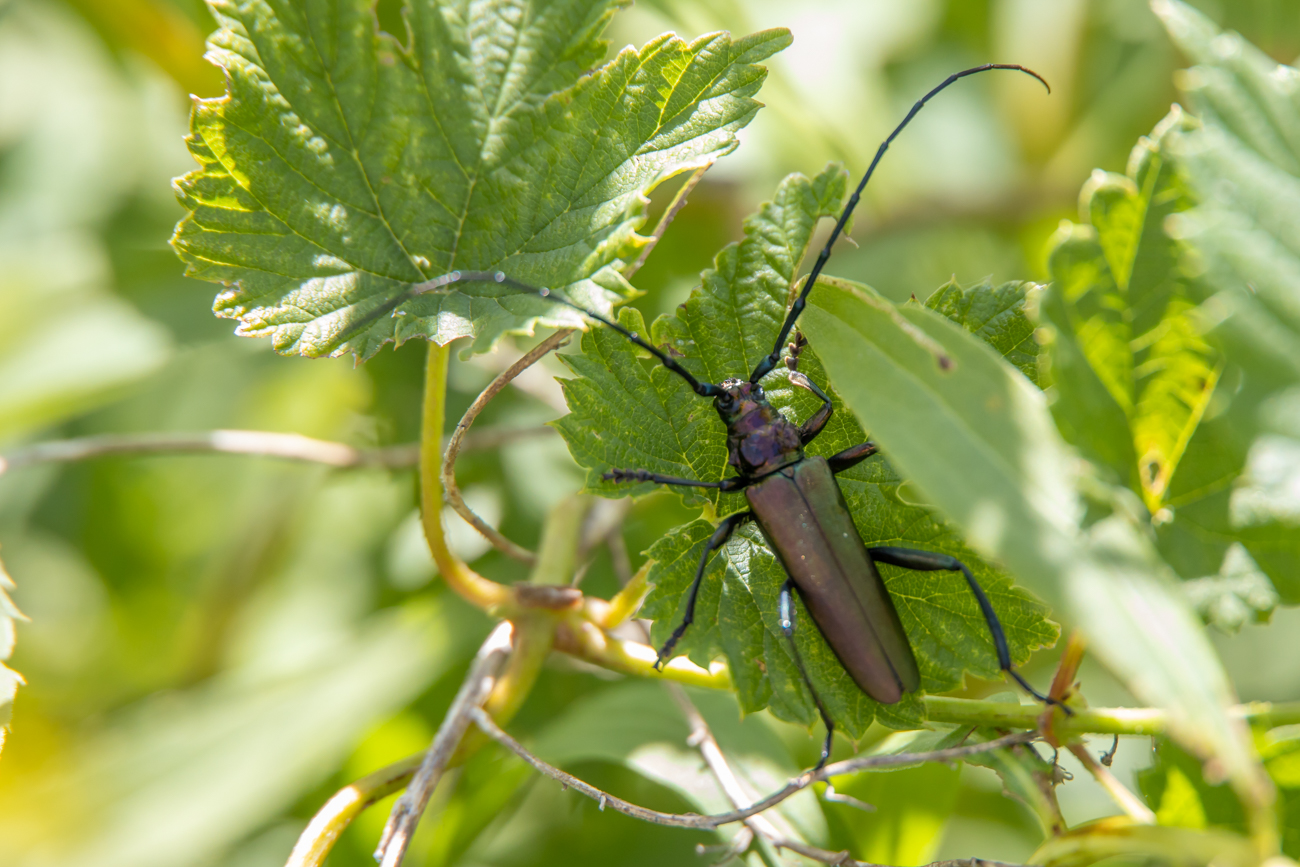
[[803, 514]]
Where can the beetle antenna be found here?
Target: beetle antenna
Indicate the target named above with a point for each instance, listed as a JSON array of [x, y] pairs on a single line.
[[704, 389], [770, 361]]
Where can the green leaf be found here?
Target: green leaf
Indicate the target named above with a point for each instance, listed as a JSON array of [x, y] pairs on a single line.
[[1133, 373], [1239, 592], [625, 414], [996, 315], [1243, 164], [1175, 788], [1280, 751], [978, 440], [1026, 778], [343, 166], [1121, 838], [912, 809]]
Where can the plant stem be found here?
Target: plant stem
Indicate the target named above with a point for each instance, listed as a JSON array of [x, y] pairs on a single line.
[[587, 642], [1096, 720], [474, 588], [448, 471], [319, 836], [626, 602]]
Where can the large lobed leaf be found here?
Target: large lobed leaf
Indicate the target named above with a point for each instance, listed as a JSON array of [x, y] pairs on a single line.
[[631, 414], [342, 166], [977, 438], [995, 314], [1242, 163], [1132, 372]]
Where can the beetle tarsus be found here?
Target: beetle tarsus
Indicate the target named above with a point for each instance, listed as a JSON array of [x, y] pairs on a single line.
[[851, 457], [666, 652], [929, 561], [1045, 699], [785, 618]]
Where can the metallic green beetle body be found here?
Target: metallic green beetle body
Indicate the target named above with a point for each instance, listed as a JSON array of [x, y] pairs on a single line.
[[802, 512]]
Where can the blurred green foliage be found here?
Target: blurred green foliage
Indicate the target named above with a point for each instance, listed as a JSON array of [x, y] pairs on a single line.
[[217, 644]]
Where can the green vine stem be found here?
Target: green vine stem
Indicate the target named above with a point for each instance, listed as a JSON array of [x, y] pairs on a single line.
[[1094, 720], [475, 589]]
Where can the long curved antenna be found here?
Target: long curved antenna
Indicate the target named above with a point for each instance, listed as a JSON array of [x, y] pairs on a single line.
[[704, 389], [768, 362]]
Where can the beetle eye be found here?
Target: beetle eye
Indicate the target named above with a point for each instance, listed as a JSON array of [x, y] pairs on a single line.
[[758, 392]]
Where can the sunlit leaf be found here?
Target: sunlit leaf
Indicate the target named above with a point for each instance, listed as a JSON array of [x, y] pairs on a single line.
[[1122, 313], [976, 437], [343, 166], [1242, 162], [68, 345], [1175, 788], [995, 315], [627, 413], [1119, 837]]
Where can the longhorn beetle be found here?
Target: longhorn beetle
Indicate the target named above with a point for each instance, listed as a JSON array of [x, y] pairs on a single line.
[[827, 564]]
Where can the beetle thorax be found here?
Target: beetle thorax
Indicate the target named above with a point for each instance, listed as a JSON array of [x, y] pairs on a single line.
[[759, 439]]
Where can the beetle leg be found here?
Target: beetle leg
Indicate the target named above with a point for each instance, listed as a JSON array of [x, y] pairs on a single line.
[[716, 541], [852, 456], [786, 610], [813, 426], [735, 483], [928, 561]]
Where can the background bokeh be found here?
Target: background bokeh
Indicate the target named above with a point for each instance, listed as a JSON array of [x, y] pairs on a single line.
[[217, 643]]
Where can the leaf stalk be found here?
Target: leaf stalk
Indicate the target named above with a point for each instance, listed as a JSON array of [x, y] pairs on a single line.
[[471, 586]]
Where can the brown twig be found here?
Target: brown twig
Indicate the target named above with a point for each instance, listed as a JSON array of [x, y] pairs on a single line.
[[1130, 803], [709, 823], [701, 737], [473, 692], [251, 443], [450, 490]]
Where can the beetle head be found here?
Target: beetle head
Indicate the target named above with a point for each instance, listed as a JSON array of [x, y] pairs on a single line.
[[738, 399]]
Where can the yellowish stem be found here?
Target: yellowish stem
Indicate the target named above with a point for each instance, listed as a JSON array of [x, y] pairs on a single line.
[[627, 601], [473, 587]]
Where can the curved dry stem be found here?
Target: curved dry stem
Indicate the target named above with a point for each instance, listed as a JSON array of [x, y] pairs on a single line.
[[448, 473], [255, 443], [709, 823], [249, 443], [473, 693]]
